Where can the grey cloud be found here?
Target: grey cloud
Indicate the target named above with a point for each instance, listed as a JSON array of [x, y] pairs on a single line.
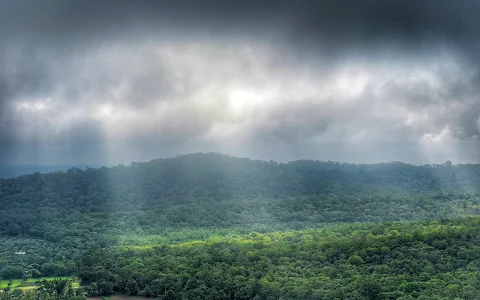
[[368, 23], [134, 80]]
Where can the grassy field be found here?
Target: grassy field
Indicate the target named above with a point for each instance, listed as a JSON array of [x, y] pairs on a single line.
[[30, 283], [15, 283], [47, 278]]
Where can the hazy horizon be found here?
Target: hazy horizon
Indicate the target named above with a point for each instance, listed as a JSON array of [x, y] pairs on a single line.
[[127, 163]]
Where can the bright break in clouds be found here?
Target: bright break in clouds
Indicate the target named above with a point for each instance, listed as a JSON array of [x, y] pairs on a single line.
[[355, 81]]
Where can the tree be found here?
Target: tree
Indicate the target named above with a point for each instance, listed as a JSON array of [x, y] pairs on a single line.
[[12, 273], [370, 288], [57, 286], [13, 229]]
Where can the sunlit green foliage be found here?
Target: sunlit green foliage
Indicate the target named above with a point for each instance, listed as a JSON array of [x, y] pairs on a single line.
[[401, 260]]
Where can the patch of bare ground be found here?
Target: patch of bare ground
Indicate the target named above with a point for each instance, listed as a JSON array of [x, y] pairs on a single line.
[[123, 297], [120, 297]]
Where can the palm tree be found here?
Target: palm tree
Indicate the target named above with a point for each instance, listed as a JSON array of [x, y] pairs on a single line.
[[57, 286]]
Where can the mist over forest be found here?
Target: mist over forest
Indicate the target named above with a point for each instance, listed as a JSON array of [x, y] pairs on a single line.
[[114, 227], [239, 150]]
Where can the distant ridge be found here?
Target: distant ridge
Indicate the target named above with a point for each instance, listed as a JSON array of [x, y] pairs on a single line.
[[15, 170]]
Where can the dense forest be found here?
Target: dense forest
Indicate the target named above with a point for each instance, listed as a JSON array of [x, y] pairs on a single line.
[[400, 260], [212, 226]]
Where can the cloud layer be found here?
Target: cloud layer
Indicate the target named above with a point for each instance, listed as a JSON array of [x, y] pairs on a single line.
[[113, 82]]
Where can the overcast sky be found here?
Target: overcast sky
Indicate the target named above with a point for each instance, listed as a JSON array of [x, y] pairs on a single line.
[[357, 81]]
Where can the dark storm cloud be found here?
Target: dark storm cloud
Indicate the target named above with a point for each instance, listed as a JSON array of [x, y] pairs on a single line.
[[331, 24], [345, 80]]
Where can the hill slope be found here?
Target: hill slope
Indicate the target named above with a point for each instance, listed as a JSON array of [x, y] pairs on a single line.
[[213, 190], [55, 217]]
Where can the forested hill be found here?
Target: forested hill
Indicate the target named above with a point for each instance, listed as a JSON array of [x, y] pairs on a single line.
[[215, 176], [59, 218], [214, 190]]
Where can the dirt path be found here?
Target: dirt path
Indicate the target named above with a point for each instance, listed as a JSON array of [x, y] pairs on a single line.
[[120, 297]]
